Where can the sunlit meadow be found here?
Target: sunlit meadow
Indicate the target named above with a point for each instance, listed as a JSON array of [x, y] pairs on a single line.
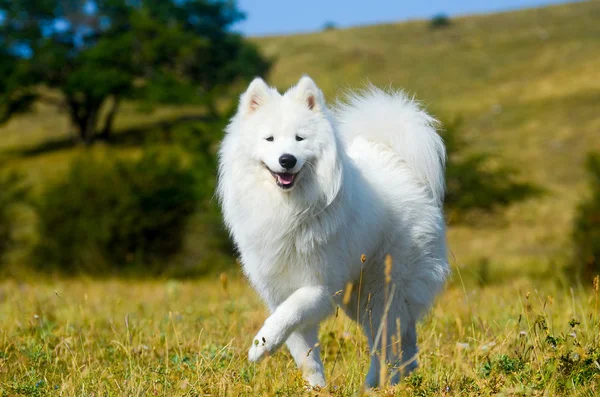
[[513, 320]]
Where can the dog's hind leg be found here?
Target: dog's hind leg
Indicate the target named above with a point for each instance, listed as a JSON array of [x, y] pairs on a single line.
[[304, 346], [386, 336], [409, 348]]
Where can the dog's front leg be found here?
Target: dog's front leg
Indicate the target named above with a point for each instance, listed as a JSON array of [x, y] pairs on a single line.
[[304, 346], [306, 307]]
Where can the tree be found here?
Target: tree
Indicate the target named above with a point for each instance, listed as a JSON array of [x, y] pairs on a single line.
[[98, 52], [329, 25], [474, 183], [16, 94], [439, 21]]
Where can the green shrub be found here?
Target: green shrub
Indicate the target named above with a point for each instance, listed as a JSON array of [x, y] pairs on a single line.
[[474, 183], [439, 21], [329, 25], [586, 229], [12, 191], [208, 247], [124, 215]]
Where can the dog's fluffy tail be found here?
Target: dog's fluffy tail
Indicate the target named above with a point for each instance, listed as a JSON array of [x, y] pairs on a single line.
[[397, 121]]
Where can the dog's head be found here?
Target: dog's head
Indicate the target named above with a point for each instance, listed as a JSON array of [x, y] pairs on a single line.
[[291, 138]]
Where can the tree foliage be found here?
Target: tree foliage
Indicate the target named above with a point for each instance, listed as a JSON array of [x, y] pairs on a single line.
[[474, 182], [439, 21], [118, 215], [99, 52], [16, 93]]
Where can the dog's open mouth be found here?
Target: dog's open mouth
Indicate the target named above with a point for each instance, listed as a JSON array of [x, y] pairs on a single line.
[[284, 180]]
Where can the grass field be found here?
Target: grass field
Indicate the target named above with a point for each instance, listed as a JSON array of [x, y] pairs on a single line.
[[190, 338], [512, 321]]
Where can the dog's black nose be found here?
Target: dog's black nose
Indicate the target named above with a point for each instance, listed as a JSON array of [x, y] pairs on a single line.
[[287, 161]]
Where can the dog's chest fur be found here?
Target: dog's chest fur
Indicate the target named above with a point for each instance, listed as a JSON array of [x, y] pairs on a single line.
[[283, 253]]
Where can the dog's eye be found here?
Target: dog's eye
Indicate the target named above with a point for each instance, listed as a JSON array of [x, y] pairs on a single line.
[[269, 139], [299, 138]]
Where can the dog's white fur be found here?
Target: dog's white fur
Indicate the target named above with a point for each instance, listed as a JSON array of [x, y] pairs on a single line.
[[369, 180]]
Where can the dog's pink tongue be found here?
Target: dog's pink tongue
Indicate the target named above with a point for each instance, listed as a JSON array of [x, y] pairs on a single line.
[[285, 178]]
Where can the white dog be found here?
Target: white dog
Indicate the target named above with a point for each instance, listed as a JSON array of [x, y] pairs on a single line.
[[305, 193]]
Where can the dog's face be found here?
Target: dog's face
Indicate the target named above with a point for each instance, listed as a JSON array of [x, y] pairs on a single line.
[[284, 146], [289, 137]]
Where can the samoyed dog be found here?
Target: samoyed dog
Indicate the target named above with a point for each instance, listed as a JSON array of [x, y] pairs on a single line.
[[317, 199]]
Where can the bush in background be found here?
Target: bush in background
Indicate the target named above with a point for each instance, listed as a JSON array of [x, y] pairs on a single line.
[[12, 191], [329, 25], [439, 21], [473, 184], [208, 247], [116, 215], [586, 233]]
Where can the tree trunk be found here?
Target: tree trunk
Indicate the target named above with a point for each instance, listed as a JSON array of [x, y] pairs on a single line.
[[89, 130], [84, 114], [110, 118]]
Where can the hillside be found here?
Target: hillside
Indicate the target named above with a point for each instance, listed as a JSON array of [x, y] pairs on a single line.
[[526, 84]]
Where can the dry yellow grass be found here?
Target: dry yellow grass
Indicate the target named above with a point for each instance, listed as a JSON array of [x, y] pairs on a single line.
[[190, 338]]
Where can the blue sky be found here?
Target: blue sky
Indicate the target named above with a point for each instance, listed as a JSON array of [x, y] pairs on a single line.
[[266, 17]]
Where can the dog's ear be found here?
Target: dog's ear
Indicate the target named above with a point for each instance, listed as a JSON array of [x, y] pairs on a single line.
[[257, 95], [307, 92]]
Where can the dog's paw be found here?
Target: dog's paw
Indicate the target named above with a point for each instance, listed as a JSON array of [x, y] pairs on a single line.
[[315, 380], [263, 344], [257, 351]]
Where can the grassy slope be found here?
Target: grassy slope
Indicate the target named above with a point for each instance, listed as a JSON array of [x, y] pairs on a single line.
[[527, 86]]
